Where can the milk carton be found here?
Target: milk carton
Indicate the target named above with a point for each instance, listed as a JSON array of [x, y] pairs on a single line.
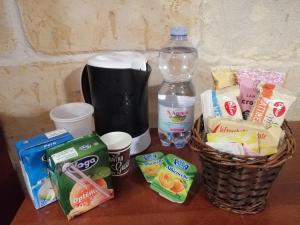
[[80, 174], [33, 162]]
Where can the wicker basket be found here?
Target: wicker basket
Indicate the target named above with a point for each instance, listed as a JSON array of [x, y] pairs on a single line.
[[239, 184]]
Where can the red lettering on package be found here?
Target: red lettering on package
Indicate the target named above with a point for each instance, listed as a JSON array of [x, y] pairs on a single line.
[[230, 108], [279, 109]]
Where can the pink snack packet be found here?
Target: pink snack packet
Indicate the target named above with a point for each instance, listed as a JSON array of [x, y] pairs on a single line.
[[248, 80]]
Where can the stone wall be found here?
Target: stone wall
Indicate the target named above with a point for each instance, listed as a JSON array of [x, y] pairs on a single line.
[[44, 44]]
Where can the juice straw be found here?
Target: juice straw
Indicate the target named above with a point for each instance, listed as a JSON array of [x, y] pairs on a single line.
[[67, 166], [66, 171]]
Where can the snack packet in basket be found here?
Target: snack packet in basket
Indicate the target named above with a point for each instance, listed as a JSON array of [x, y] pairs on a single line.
[[150, 164], [268, 138], [174, 179], [249, 79], [227, 100], [223, 77], [271, 105], [210, 106], [228, 147], [248, 139]]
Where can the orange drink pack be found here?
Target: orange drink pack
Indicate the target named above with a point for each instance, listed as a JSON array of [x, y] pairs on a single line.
[[80, 173]]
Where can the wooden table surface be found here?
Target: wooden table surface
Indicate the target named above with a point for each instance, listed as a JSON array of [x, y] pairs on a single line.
[[136, 204]]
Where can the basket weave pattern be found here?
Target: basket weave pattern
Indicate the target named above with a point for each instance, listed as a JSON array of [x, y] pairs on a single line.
[[240, 184]]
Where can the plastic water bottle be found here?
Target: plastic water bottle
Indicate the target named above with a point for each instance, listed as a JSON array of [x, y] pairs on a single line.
[[176, 96]]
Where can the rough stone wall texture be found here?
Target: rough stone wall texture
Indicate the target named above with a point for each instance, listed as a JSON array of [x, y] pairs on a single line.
[[7, 41], [44, 44], [72, 26]]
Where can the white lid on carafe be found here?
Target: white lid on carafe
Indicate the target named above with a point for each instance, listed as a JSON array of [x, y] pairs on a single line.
[[119, 60]]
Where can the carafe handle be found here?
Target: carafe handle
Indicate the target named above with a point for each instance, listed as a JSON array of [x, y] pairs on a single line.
[[85, 86]]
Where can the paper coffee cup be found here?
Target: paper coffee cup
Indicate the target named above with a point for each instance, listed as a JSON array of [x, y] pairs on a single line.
[[118, 145]]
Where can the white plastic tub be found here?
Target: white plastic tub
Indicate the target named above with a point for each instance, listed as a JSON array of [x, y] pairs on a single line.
[[76, 117]]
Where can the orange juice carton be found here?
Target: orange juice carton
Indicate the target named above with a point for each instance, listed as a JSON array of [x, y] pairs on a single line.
[[80, 174]]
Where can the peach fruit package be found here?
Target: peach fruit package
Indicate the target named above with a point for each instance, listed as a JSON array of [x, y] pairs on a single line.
[[80, 174], [174, 179], [150, 164]]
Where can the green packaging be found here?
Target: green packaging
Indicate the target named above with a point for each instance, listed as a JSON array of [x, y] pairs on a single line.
[[80, 174], [150, 164], [174, 179]]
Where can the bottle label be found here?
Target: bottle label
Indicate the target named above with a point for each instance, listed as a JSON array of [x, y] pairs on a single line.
[[175, 120]]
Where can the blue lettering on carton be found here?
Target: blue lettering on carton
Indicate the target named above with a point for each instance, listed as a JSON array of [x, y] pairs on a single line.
[[173, 170], [150, 156], [86, 162], [153, 162], [181, 164]]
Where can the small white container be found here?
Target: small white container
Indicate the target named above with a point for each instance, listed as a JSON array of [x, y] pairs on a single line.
[[76, 117], [118, 145]]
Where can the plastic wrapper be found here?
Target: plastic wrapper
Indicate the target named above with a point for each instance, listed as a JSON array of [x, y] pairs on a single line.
[[271, 105], [224, 77], [249, 79], [228, 103]]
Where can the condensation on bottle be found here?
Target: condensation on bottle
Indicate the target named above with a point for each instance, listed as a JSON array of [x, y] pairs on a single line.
[[176, 95]]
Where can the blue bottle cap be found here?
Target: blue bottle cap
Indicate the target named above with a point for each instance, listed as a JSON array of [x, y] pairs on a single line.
[[178, 31], [180, 143]]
